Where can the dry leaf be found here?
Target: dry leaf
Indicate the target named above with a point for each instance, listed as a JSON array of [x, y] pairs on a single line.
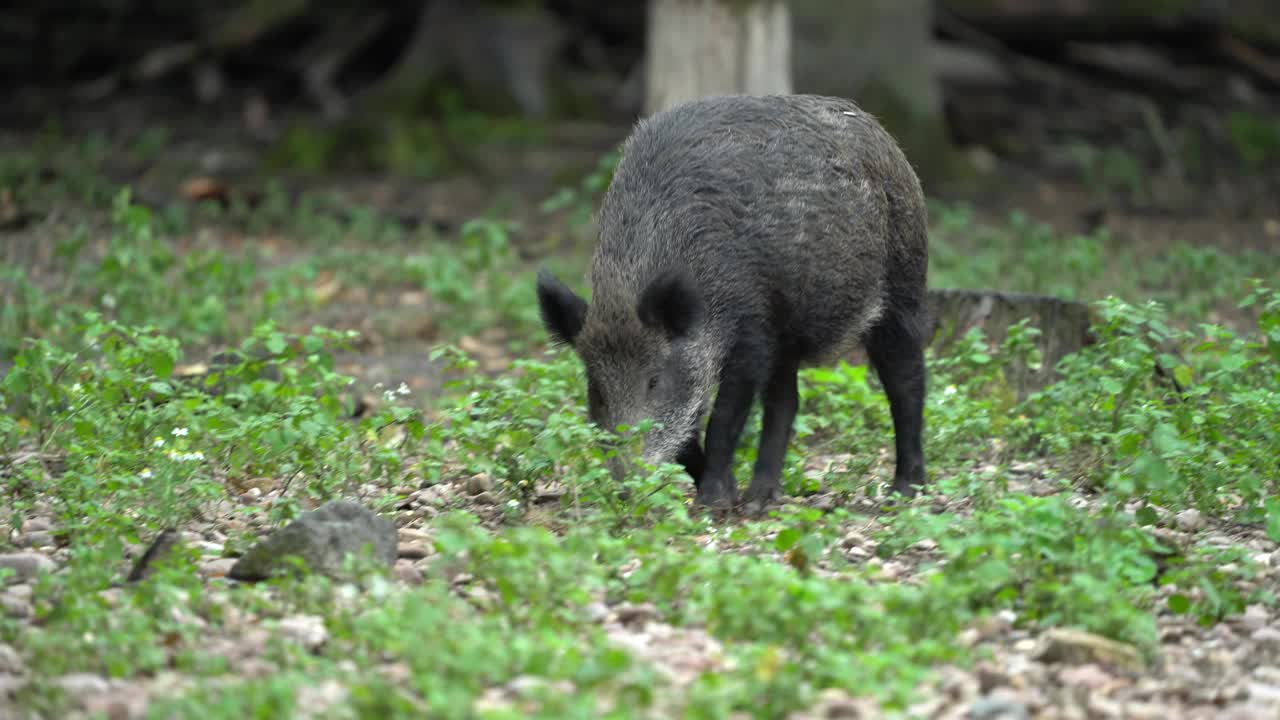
[[206, 188], [192, 370], [326, 287]]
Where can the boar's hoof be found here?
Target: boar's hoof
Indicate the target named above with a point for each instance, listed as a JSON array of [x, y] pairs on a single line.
[[759, 495], [715, 498], [906, 488]]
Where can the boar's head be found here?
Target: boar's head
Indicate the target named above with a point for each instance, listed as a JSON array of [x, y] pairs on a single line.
[[644, 351]]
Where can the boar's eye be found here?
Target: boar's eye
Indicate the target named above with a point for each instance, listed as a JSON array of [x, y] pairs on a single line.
[[653, 383]]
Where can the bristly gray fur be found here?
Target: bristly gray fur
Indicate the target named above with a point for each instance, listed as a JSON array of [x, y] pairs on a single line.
[[797, 219]]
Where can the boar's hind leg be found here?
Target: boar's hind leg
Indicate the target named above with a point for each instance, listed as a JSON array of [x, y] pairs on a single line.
[[897, 353], [781, 400]]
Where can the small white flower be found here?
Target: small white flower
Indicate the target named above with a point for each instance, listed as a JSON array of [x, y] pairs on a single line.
[[77, 388], [951, 390], [403, 389], [513, 504], [145, 474], [179, 432], [158, 442]]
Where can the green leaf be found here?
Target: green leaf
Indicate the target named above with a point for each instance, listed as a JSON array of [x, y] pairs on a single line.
[[276, 344], [85, 429], [1273, 519], [1146, 515], [1165, 439], [161, 363], [787, 539], [1179, 604], [1182, 374]]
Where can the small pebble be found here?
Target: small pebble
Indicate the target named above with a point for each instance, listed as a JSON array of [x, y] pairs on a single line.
[[10, 661], [478, 484], [408, 573], [488, 498], [637, 613], [217, 568], [1189, 520], [36, 525], [412, 550], [1267, 638], [306, 630], [37, 539]]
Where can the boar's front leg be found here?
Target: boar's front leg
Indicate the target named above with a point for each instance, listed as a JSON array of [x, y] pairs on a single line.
[[692, 458], [781, 400], [738, 387]]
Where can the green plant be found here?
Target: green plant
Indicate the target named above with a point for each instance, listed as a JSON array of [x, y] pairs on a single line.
[[1048, 506], [1256, 139], [1109, 169], [583, 198], [1202, 435]]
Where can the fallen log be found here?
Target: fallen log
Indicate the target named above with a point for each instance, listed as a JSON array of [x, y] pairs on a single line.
[[1244, 35]]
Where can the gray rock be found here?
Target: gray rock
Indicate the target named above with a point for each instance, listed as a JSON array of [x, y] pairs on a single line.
[[37, 539], [408, 573], [320, 700], [26, 565], [218, 567], [1255, 617], [477, 484], [1189, 520], [1071, 646], [81, 685], [11, 685], [1265, 693], [10, 661], [488, 498], [126, 702], [322, 538], [997, 708], [597, 612], [16, 607], [629, 613], [1267, 638], [412, 551], [306, 630], [36, 524], [1247, 711]]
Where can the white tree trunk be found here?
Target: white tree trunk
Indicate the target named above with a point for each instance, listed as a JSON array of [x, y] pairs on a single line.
[[716, 47]]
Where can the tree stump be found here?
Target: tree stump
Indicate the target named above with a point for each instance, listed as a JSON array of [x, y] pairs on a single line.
[[1064, 326]]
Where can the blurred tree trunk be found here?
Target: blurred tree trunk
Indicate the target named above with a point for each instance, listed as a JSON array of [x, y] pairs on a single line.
[[877, 53], [697, 48]]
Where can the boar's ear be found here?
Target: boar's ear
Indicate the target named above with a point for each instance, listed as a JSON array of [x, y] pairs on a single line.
[[670, 303], [562, 311]]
